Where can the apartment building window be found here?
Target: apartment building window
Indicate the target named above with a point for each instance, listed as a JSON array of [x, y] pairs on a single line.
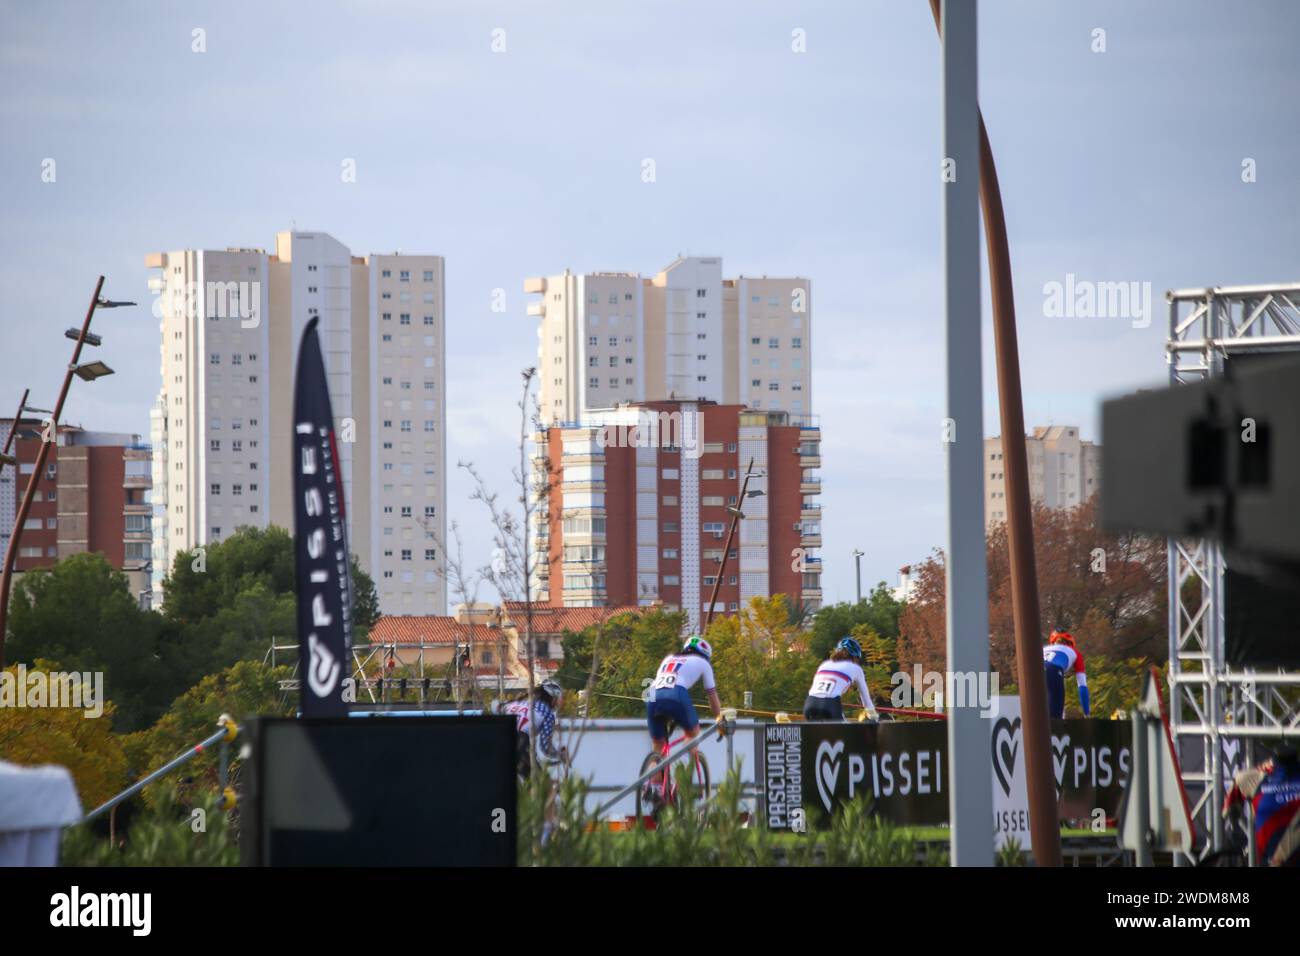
[[613, 383], [613, 361], [701, 315], [428, 425], [701, 358], [671, 474], [796, 343], [236, 424], [672, 580], [613, 298], [404, 319], [701, 336], [215, 424], [387, 273], [756, 382], [670, 554], [311, 268], [593, 382], [388, 337], [406, 424], [711, 474], [593, 361], [406, 554], [670, 501], [710, 580], [428, 320], [627, 381], [386, 295], [405, 276], [388, 316], [214, 358], [701, 378], [796, 386], [670, 527], [591, 341], [428, 275], [700, 293], [430, 554], [774, 386], [236, 489], [388, 423], [613, 341], [774, 343], [214, 444], [773, 300], [215, 489], [428, 384]]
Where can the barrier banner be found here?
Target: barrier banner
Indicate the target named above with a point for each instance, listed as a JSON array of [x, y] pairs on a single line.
[[810, 769]]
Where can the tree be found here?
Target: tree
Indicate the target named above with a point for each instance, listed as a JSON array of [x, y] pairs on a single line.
[[81, 612], [60, 735], [879, 610], [1108, 590]]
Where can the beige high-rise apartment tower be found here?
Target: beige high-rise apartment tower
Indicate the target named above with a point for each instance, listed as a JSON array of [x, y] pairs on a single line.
[[687, 334], [1064, 470], [231, 321]]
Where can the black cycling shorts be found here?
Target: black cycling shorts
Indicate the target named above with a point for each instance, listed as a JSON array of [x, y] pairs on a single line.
[[823, 708]]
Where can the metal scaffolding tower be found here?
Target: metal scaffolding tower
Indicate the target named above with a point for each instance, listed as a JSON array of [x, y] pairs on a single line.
[[1223, 711]]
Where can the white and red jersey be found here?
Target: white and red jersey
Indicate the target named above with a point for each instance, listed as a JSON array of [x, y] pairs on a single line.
[[684, 671], [1068, 660], [833, 678]]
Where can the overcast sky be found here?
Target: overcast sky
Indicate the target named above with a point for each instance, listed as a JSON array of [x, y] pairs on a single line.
[[1122, 165]]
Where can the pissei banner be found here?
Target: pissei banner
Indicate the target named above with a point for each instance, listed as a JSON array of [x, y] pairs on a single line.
[[320, 540], [810, 769]]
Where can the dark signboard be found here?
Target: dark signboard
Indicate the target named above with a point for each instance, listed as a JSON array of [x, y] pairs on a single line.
[[810, 769]]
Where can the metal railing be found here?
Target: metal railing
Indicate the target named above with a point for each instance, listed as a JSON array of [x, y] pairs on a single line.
[[728, 721], [228, 731]]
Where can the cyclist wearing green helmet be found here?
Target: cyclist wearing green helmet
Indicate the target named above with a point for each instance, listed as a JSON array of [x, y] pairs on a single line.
[[668, 697]]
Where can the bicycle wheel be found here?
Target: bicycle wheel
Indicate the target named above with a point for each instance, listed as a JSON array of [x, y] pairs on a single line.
[[649, 796]]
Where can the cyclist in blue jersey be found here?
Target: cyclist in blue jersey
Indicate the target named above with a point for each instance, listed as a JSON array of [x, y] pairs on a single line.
[[1273, 789]]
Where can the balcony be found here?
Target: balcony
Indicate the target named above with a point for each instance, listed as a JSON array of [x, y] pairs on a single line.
[[535, 285], [810, 486], [811, 512], [812, 540]]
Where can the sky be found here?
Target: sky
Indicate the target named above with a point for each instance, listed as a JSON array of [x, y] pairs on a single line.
[[1122, 164]]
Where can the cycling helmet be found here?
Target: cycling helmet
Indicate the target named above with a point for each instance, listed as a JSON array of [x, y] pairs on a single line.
[[699, 645], [852, 646], [552, 689], [1061, 637]]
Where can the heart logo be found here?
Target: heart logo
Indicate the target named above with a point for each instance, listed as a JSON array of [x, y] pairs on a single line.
[[827, 766], [1006, 744], [1060, 749]]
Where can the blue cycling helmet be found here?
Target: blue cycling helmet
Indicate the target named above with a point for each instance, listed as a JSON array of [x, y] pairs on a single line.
[[853, 647]]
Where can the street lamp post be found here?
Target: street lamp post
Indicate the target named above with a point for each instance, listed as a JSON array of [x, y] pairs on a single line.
[[736, 515], [857, 565], [88, 372]]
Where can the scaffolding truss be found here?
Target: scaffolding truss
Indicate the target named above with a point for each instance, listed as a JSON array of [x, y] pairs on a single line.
[[1216, 713]]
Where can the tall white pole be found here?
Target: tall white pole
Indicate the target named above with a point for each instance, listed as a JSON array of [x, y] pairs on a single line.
[[970, 792]]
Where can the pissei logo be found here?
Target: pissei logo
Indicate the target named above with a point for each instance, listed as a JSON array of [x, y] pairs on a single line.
[[826, 767]]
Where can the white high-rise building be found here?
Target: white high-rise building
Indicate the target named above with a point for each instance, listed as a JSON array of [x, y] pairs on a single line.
[[1064, 470], [231, 321], [610, 338]]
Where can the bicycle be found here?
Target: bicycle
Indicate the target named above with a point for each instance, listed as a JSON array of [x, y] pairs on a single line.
[[661, 789]]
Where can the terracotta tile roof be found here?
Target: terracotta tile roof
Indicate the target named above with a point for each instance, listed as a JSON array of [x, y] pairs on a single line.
[[557, 620], [426, 629]]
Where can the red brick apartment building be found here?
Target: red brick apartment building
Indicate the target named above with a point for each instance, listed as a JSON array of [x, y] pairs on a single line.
[[636, 508], [92, 496]]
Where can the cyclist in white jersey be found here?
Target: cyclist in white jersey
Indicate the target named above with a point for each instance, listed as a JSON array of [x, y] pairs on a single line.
[[669, 696], [833, 678]]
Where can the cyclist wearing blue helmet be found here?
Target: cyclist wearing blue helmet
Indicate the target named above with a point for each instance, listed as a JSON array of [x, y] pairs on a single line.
[[833, 678]]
